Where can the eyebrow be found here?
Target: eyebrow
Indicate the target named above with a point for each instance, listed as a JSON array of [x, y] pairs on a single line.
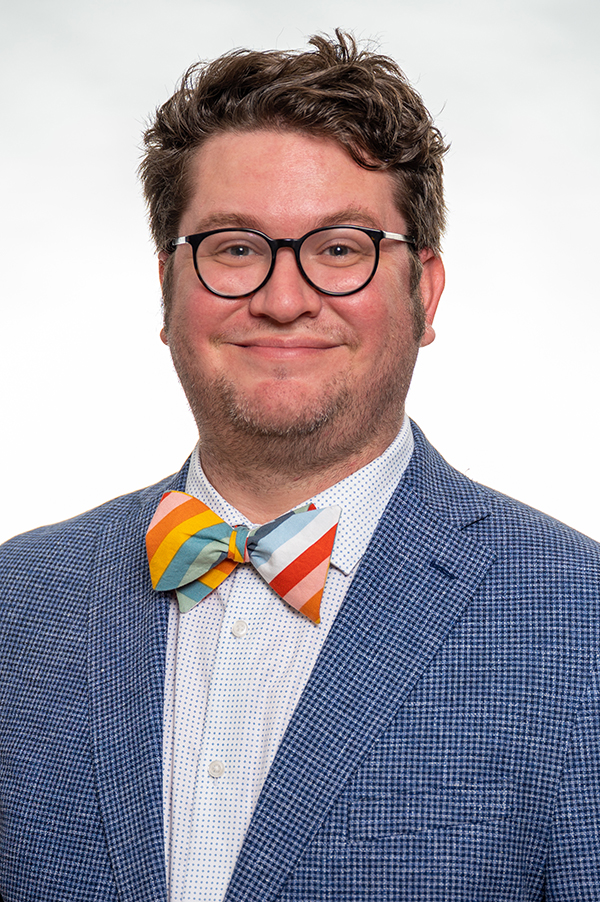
[[347, 216], [227, 220]]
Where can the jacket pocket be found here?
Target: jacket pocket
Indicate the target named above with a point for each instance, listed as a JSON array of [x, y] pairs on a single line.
[[431, 807]]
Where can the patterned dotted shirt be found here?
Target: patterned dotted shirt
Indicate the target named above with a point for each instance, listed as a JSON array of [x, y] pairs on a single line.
[[236, 667]]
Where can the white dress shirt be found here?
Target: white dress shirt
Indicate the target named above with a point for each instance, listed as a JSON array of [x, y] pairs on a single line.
[[236, 666]]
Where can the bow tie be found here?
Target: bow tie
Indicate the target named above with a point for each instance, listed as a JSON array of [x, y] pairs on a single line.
[[190, 549]]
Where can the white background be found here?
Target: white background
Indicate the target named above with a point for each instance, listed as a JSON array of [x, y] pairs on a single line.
[[91, 407]]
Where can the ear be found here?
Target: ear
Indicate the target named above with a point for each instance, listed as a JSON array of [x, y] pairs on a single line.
[[163, 256], [433, 279]]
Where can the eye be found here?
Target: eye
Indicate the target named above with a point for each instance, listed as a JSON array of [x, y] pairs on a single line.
[[233, 248], [338, 250], [237, 250]]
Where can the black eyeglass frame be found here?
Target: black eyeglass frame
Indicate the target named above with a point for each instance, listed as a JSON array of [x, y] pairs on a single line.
[[376, 236]]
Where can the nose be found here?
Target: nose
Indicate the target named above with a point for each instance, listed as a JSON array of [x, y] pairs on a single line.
[[286, 296]]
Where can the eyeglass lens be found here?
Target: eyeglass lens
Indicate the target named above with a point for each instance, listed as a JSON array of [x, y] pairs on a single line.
[[335, 260]]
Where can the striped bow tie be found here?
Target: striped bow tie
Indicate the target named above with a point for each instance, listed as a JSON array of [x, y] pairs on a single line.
[[191, 550]]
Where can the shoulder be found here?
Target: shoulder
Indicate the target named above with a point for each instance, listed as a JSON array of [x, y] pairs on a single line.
[[509, 527], [69, 545], [534, 596]]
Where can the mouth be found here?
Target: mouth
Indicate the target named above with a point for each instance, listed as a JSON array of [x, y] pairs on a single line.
[[287, 343], [285, 348]]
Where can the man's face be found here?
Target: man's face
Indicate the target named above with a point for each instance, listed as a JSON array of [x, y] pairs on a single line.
[[289, 362]]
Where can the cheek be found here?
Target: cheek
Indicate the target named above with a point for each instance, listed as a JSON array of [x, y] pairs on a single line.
[[190, 312], [199, 322], [187, 329], [377, 322]]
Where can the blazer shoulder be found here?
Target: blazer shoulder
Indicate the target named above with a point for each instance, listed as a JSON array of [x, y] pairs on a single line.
[[61, 545], [499, 520]]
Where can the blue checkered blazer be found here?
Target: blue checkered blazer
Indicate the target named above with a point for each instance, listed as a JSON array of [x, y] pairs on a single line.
[[446, 746]]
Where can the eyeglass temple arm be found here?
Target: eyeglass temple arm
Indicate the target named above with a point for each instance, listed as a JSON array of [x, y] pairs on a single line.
[[396, 237]]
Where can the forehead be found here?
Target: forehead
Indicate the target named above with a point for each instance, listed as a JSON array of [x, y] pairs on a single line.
[[284, 180]]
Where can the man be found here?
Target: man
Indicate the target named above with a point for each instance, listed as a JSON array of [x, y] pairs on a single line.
[[428, 728]]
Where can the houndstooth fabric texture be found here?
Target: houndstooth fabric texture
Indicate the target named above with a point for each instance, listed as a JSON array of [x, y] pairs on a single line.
[[447, 745]]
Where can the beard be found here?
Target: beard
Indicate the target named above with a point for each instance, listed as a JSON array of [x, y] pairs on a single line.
[[266, 435], [248, 433]]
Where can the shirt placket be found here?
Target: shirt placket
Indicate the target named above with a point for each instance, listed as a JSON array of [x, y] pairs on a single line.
[[229, 758]]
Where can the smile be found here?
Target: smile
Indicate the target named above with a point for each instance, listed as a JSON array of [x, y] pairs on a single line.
[[285, 349]]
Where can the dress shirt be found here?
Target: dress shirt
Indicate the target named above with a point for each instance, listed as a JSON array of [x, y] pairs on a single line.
[[236, 666]]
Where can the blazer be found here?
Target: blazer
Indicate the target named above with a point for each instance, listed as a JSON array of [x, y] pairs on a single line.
[[446, 746]]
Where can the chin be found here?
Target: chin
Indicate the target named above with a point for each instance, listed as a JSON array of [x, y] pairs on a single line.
[[290, 428], [281, 419]]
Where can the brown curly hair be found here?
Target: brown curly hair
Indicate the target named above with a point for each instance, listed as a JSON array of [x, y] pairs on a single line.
[[359, 98]]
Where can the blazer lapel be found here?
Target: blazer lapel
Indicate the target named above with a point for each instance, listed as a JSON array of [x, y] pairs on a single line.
[[127, 640], [418, 574]]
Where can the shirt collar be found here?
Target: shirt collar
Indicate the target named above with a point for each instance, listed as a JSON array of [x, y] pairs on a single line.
[[358, 521], [375, 482]]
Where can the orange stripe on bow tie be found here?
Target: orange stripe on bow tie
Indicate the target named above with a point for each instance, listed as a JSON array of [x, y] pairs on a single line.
[[191, 516]]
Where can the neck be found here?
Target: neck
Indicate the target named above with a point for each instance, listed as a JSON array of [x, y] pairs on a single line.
[[265, 482]]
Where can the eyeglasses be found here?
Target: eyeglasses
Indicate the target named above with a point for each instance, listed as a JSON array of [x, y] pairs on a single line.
[[336, 260]]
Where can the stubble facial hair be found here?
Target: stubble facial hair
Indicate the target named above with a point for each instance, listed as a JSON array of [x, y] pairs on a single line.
[[234, 433]]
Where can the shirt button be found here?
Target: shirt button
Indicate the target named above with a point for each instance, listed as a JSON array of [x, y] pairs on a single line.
[[216, 768], [240, 629]]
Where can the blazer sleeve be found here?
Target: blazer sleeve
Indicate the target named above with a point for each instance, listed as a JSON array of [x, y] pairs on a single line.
[[573, 863]]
